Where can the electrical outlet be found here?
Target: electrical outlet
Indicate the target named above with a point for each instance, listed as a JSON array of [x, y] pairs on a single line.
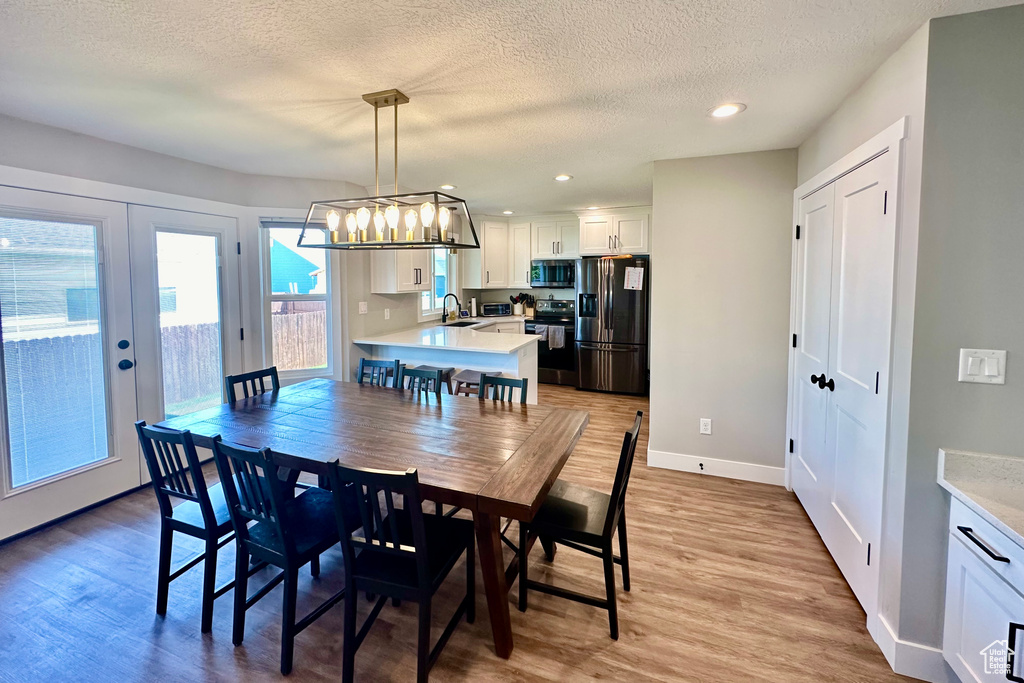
[[387, 314], [705, 425], [362, 308]]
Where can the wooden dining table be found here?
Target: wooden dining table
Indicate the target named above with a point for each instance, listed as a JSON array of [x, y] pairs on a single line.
[[491, 458]]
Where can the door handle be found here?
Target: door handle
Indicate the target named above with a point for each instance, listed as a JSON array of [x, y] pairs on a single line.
[[1011, 652], [553, 250], [609, 242], [819, 380], [830, 384], [123, 344], [488, 277], [126, 364], [559, 248]]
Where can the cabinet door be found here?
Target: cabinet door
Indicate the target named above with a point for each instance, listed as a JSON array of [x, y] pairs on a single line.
[[509, 328], [596, 235], [980, 606], [568, 239], [630, 235], [413, 270], [519, 254], [545, 240], [495, 255]]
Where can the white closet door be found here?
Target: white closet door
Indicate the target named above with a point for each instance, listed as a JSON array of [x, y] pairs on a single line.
[[860, 327], [810, 473]]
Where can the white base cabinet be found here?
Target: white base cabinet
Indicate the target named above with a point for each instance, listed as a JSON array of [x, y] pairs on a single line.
[[984, 599]]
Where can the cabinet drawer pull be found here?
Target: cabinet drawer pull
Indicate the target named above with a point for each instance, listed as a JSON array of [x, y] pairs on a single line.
[[1011, 652], [969, 533]]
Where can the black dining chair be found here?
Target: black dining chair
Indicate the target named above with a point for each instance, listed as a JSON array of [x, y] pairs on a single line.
[[501, 388], [420, 380], [377, 372], [585, 520], [253, 383], [400, 553], [287, 533], [176, 473]]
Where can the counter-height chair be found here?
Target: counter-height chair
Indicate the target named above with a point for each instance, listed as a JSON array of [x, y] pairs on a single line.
[[252, 383], [270, 528], [420, 380], [376, 372], [402, 553], [446, 374], [501, 388], [585, 520], [467, 382], [176, 473]]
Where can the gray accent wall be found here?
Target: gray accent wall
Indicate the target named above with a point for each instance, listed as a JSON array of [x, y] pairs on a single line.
[[720, 305], [970, 280]]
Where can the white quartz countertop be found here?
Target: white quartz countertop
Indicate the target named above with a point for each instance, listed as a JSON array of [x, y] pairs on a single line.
[[991, 485], [454, 338]]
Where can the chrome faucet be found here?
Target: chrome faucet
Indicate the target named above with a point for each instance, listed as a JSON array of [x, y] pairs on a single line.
[[444, 307]]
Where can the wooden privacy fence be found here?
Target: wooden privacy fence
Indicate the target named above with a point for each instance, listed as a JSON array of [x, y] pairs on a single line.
[[300, 340]]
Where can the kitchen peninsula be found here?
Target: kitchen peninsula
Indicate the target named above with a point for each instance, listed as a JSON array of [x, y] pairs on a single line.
[[475, 344]]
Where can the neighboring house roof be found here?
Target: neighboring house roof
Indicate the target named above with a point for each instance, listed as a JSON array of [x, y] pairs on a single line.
[[291, 268]]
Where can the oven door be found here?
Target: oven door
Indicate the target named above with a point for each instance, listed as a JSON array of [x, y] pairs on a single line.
[[553, 274], [556, 366]]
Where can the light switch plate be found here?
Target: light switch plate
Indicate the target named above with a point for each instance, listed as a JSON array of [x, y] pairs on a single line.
[[982, 366], [362, 308]]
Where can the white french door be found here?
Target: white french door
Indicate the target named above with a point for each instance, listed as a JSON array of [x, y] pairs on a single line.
[[845, 274], [68, 385], [185, 292]]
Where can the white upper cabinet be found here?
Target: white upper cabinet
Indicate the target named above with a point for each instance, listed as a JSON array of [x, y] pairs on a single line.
[[625, 233], [495, 255], [400, 271], [519, 254], [556, 239]]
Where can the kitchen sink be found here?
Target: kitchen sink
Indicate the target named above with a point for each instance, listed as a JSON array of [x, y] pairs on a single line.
[[462, 323]]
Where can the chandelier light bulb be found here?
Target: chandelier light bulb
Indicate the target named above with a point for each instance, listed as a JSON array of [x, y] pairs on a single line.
[[333, 220], [378, 222], [392, 214], [427, 214], [410, 224], [350, 223], [444, 217], [363, 217]]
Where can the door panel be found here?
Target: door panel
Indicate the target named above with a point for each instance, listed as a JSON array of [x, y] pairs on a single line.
[[595, 235], [863, 258], [67, 409], [495, 253], [811, 479], [186, 300], [545, 240], [631, 234]]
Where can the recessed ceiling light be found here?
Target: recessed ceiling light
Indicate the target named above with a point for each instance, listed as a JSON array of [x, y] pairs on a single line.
[[563, 177], [507, 213], [724, 110], [447, 187], [593, 208]]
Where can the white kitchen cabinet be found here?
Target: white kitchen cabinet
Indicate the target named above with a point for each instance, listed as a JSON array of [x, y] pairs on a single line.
[[519, 254], [983, 599], [510, 328], [400, 270], [556, 239], [625, 233], [494, 261]]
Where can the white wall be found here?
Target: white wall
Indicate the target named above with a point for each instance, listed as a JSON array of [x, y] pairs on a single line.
[[970, 279], [720, 272], [895, 90]]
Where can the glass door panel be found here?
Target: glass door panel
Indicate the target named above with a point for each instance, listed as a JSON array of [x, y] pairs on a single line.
[[188, 266], [52, 341], [67, 406]]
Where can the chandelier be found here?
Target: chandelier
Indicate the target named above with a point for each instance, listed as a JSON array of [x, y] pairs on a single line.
[[415, 220]]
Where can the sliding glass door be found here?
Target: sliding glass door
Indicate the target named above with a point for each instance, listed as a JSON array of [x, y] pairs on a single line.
[[68, 381]]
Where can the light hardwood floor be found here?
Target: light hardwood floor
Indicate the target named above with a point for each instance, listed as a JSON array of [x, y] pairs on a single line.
[[729, 582]]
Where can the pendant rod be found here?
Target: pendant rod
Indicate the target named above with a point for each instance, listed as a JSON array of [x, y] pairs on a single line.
[[376, 150], [396, 146]]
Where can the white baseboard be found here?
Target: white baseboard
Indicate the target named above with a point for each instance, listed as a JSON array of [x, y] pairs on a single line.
[[730, 469], [908, 658]]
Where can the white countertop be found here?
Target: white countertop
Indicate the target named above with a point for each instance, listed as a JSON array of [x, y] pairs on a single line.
[[991, 485], [455, 338]]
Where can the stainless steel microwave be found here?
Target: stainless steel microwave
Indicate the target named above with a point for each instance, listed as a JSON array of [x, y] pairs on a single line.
[[553, 274]]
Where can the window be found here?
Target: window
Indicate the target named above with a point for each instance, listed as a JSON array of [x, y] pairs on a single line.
[[296, 285], [442, 277]]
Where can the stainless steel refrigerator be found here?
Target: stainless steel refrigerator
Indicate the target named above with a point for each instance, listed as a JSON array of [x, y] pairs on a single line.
[[612, 322]]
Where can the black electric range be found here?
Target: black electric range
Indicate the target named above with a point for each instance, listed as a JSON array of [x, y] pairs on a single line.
[[556, 352]]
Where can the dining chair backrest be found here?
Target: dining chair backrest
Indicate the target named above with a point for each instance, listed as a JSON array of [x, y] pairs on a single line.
[[253, 493], [174, 468], [420, 380], [381, 532], [378, 371], [622, 471], [253, 383], [500, 387]]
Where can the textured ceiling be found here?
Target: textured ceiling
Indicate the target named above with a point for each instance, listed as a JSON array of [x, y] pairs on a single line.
[[505, 94]]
